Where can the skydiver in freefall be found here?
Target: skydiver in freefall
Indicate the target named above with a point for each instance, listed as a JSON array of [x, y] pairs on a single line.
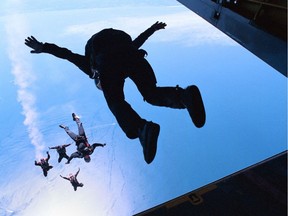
[[84, 149], [110, 57], [85, 153], [61, 150], [73, 180], [44, 164]]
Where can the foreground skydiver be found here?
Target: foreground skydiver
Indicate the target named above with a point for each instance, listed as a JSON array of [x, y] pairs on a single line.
[[84, 149], [44, 164], [73, 180], [110, 57], [61, 150]]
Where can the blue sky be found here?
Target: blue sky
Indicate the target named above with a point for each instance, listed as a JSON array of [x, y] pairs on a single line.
[[246, 104]]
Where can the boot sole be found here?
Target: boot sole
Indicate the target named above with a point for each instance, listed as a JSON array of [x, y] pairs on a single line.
[[195, 106], [151, 142]]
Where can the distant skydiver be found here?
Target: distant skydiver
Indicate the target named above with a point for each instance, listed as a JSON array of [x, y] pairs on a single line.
[[85, 153], [73, 180], [84, 149], [44, 164], [110, 57], [61, 149]]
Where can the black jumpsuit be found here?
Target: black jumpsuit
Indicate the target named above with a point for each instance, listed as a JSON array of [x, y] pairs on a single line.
[[114, 55]]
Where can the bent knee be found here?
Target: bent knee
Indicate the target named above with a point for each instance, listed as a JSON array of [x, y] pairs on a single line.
[[151, 99]]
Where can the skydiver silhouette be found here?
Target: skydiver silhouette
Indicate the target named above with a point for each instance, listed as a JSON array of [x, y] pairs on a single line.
[[61, 150], [44, 164], [84, 149], [110, 57], [73, 180]]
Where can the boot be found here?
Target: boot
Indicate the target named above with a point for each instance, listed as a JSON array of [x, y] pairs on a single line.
[[192, 100], [75, 117], [148, 136]]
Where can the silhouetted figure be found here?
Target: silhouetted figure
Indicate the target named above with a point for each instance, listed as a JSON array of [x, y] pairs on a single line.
[[73, 180], [44, 164], [61, 150], [84, 149], [110, 57]]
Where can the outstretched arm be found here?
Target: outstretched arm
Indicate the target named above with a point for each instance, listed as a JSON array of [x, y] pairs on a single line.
[[66, 145], [79, 60], [94, 145], [55, 147], [77, 172], [48, 156], [139, 41], [65, 178], [37, 164]]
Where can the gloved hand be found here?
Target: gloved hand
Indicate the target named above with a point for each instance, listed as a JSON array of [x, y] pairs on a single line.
[[34, 44], [158, 25]]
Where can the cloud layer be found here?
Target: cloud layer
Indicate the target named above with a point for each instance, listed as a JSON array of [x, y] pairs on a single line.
[[184, 28]]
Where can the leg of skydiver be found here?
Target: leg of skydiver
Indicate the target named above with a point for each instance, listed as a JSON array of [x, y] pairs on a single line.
[[45, 172], [66, 156], [75, 187], [81, 131], [69, 132], [74, 155], [60, 158]]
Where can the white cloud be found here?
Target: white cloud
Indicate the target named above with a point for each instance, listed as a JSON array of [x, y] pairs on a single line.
[[16, 29], [183, 27]]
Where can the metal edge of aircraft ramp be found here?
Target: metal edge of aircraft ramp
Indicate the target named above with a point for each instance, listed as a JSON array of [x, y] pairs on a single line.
[[260, 26], [258, 190]]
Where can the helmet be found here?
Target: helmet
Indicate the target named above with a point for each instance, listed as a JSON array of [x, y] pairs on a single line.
[[87, 158]]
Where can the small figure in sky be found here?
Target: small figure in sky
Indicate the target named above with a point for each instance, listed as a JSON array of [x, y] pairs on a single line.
[[73, 180], [84, 149], [44, 164], [110, 57], [61, 150], [85, 153]]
